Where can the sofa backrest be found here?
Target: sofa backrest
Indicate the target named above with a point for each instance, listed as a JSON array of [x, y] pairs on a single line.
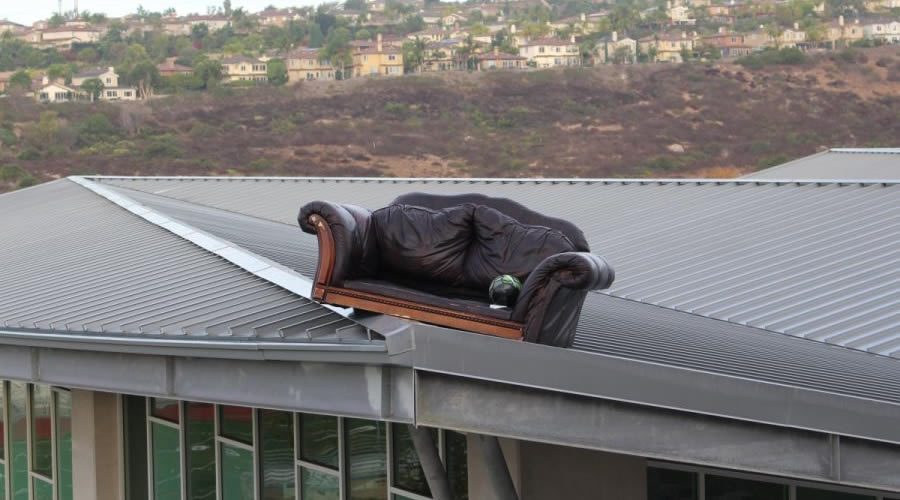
[[464, 246], [509, 207]]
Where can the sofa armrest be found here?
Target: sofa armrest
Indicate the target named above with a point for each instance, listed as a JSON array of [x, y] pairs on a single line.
[[552, 296], [346, 246]]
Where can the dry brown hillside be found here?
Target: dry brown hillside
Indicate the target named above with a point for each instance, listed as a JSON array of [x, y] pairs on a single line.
[[645, 120]]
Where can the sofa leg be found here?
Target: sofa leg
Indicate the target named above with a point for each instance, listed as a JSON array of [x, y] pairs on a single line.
[[497, 470], [430, 458]]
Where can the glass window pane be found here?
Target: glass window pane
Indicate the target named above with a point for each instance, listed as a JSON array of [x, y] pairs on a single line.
[[237, 473], [2, 481], [64, 444], [135, 422], [18, 430], [315, 485], [166, 409], [276, 447], [366, 460], [41, 431], [2, 431], [457, 464], [42, 490], [200, 436], [729, 488], [668, 484], [319, 440], [815, 494], [236, 422], [407, 471], [166, 462]]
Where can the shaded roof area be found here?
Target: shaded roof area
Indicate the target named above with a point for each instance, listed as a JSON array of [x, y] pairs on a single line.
[[609, 325], [76, 262], [819, 261], [839, 163]]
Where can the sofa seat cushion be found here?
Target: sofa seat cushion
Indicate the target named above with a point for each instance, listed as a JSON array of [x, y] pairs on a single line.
[[458, 300], [417, 242], [502, 245]]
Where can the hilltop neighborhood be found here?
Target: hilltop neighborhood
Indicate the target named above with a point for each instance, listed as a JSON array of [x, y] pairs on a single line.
[[83, 56]]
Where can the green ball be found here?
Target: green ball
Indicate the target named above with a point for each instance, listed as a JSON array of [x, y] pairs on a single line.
[[505, 290]]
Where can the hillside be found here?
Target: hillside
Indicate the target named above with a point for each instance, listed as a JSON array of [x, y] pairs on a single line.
[[611, 121]]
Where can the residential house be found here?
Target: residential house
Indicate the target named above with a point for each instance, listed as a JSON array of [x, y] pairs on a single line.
[[276, 17], [881, 5], [442, 56], [170, 68], [7, 26], [758, 39], [453, 19], [303, 64], [56, 91], [31, 36], [615, 49], [728, 44], [550, 52], [431, 18], [668, 46], [178, 26], [679, 14], [882, 29], [351, 15], [4, 80], [792, 37], [839, 32], [429, 35], [244, 69], [214, 22], [112, 91], [378, 60], [499, 60], [65, 37], [376, 5]]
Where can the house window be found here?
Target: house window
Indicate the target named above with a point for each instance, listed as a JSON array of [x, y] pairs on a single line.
[[108, 80], [127, 93]]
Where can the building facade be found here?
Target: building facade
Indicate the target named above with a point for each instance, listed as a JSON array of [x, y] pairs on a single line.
[[305, 65], [244, 69], [551, 52], [378, 60]]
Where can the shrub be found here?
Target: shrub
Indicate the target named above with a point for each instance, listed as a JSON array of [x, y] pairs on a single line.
[[12, 173], [162, 146], [96, 128], [769, 57], [8, 137]]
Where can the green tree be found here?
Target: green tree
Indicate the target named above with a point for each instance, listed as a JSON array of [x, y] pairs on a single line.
[[20, 80], [363, 34], [56, 20], [207, 71], [93, 87], [60, 72], [414, 55], [88, 55], [199, 32], [337, 49], [277, 72], [226, 7], [145, 76], [316, 38]]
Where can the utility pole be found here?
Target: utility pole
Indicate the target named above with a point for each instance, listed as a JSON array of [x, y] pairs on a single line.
[[76, 8], [59, 9]]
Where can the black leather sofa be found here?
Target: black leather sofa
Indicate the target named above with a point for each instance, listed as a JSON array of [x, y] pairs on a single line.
[[432, 258]]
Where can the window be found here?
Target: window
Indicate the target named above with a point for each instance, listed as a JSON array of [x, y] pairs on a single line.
[[239, 453], [366, 459], [669, 484], [200, 451], [37, 422], [728, 488], [236, 447], [816, 494]]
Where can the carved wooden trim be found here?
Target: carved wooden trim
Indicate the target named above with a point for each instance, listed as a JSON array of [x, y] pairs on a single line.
[[422, 312], [325, 266]]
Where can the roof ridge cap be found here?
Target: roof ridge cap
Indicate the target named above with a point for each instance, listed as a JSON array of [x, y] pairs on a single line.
[[257, 265]]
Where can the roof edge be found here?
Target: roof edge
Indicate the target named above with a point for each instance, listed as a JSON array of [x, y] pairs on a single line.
[[511, 180]]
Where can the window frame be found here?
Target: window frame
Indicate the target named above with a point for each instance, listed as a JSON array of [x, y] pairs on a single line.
[[151, 419], [252, 448], [299, 463], [791, 484]]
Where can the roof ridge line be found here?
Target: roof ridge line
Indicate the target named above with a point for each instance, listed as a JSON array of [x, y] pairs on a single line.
[[508, 180], [250, 262]]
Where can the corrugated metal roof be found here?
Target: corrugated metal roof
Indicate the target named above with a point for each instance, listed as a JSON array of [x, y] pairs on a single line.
[[816, 260], [838, 163], [80, 263]]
